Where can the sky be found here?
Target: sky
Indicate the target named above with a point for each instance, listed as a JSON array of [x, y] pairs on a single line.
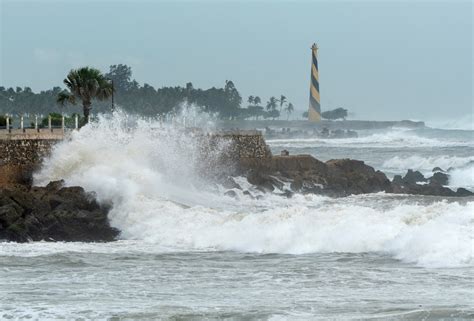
[[378, 59]]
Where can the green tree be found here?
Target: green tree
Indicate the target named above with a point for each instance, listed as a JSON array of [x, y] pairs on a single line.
[[233, 100], [251, 100], [257, 101], [85, 84], [289, 109], [272, 104], [121, 75], [282, 102], [338, 113]]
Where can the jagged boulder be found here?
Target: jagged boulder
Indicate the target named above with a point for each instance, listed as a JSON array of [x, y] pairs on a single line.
[[413, 177], [306, 174], [53, 213], [439, 178], [463, 192], [348, 176]]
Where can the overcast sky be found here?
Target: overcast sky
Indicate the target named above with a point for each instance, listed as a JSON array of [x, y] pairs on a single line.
[[380, 60]]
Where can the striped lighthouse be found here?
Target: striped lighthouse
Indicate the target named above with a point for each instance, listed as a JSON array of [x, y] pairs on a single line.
[[314, 111]]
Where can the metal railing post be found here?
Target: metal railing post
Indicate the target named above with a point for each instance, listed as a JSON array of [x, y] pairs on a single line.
[[62, 123], [76, 122], [21, 124], [36, 123], [49, 123], [8, 124]]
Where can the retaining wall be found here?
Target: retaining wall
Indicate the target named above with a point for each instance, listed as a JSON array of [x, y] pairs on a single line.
[[21, 153]]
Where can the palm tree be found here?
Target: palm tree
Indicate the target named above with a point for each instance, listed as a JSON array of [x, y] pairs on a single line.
[[85, 84], [257, 100], [282, 101], [251, 100], [272, 103], [289, 109]]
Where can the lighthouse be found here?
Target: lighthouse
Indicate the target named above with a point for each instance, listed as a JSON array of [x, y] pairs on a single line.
[[314, 111]]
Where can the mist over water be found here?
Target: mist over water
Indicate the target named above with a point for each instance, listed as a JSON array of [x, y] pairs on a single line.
[[266, 257]]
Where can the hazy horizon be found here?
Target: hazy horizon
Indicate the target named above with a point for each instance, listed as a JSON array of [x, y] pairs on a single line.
[[380, 60]]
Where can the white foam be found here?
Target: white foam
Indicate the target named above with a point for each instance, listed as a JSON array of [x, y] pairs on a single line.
[[462, 177], [461, 123], [395, 138], [160, 200], [426, 164]]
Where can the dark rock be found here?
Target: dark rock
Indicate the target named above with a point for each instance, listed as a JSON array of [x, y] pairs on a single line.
[[248, 194], [428, 189], [10, 213], [262, 181], [348, 176], [55, 185], [463, 192], [412, 177], [53, 213], [231, 193], [398, 180], [439, 178], [437, 169], [309, 175], [297, 184], [229, 183], [286, 193]]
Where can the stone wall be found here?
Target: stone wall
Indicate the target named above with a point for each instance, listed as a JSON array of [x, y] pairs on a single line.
[[20, 157], [244, 144]]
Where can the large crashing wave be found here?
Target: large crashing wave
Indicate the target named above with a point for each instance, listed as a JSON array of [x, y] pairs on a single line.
[[151, 173]]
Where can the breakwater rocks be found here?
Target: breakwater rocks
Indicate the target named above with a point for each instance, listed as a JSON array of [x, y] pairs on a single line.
[[53, 213], [337, 178], [306, 174], [416, 184]]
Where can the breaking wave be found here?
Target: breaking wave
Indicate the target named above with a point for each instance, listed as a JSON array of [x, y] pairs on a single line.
[[462, 123], [460, 169], [426, 164], [395, 138], [159, 199]]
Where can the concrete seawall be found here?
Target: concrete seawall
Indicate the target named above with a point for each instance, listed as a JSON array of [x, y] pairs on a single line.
[[23, 151], [20, 157]]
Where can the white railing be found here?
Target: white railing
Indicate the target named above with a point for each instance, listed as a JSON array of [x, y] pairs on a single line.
[[9, 124]]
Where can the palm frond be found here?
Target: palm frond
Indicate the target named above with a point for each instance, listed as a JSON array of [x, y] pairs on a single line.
[[64, 97]]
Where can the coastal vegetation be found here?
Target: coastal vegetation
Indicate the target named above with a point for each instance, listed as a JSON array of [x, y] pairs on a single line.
[[85, 84], [338, 113], [335, 114], [90, 87]]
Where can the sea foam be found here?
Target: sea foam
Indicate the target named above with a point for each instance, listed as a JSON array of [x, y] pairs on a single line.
[[160, 199]]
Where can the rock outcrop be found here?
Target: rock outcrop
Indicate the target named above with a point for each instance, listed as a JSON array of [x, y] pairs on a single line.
[[306, 174], [339, 177], [53, 213], [415, 183]]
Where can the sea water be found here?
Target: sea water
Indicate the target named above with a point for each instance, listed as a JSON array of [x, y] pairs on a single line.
[[187, 251]]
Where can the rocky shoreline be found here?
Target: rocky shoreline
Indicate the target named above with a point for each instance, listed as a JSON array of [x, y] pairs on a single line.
[[58, 213], [339, 178], [53, 213]]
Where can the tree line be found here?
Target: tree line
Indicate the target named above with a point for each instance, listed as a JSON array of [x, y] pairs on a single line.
[[88, 89]]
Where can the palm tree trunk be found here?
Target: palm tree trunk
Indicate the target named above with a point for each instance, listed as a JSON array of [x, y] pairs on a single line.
[[87, 109]]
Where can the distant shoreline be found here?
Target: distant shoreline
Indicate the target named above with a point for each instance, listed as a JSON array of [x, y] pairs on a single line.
[[329, 124]]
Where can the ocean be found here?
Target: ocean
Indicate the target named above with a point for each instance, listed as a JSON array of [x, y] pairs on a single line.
[[189, 252]]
